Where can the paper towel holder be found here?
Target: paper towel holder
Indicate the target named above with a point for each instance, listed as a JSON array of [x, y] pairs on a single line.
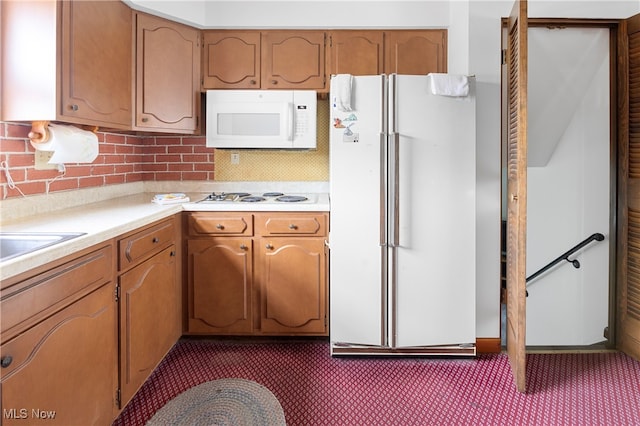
[[40, 131]]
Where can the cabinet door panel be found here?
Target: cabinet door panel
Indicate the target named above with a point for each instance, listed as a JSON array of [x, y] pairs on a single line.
[[96, 62], [293, 60], [220, 274], [416, 52], [293, 285], [356, 52], [149, 318], [64, 366], [167, 75], [231, 60]]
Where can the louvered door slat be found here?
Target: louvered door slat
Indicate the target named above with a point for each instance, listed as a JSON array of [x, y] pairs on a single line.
[[628, 333]]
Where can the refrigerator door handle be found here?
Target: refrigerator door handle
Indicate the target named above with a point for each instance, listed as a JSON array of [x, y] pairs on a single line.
[[383, 190], [395, 189]]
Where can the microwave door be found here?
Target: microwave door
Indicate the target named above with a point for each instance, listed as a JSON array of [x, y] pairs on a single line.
[[251, 125]]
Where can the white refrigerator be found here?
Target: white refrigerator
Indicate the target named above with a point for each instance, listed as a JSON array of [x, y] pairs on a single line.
[[402, 229]]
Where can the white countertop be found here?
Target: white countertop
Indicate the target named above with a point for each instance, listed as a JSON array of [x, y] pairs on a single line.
[[106, 219]]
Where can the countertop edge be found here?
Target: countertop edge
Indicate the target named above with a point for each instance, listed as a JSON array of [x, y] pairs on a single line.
[[101, 221]]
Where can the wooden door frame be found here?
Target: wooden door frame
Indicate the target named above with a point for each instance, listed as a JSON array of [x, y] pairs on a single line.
[[614, 27], [618, 140]]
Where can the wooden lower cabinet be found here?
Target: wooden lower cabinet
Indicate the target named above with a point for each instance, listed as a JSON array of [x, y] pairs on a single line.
[[269, 279], [149, 312], [62, 369], [220, 283], [149, 301], [59, 358], [293, 290]]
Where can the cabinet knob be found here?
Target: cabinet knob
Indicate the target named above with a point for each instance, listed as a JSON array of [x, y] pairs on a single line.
[[144, 119], [293, 226], [253, 82], [155, 240], [274, 81], [6, 361], [220, 226], [73, 107], [172, 254], [269, 246], [243, 247]]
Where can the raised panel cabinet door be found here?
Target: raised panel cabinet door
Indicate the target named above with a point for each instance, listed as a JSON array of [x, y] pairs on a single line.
[[96, 63], [220, 285], [356, 52], [231, 60], [415, 52], [293, 60], [150, 320], [63, 371], [293, 286], [167, 75]]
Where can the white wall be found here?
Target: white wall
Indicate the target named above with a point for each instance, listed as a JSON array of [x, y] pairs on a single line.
[[474, 48], [568, 197]]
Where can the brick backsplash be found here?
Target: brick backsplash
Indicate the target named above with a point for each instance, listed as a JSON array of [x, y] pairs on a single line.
[[122, 159]]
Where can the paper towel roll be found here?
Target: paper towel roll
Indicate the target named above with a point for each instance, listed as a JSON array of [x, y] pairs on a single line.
[[69, 144]]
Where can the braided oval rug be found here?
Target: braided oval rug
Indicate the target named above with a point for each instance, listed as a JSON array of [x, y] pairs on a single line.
[[222, 402]]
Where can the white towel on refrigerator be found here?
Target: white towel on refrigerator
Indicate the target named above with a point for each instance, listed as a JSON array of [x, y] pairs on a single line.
[[341, 91], [449, 84]]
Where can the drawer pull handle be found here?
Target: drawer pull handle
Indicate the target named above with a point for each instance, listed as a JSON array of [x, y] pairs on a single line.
[[156, 240], [220, 226], [6, 361], [269, 247], [293, 226], [243, 247]]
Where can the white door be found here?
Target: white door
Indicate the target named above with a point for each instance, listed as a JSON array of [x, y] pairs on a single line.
[[357, 238], [433, 280]]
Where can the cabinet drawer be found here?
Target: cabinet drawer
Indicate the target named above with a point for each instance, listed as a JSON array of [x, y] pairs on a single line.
[[201, 224], [291, 224], [143, 244], [50, 291]]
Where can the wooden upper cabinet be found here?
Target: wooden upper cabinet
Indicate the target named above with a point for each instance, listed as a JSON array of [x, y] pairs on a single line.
[[67, 61], [167, 75], [356, 52], [416, 52], [96, 62], [293, 60], [231, 60]]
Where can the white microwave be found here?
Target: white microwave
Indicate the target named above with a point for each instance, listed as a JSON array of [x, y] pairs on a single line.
[[278, 119]]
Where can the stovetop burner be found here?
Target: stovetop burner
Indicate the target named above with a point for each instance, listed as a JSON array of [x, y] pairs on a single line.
[[291, 198], [252, 199]]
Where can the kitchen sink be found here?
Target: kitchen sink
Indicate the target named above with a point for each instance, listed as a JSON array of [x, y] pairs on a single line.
[[14, 244]]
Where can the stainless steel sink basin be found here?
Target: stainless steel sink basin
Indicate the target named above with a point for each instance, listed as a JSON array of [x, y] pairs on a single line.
[[14, 244]]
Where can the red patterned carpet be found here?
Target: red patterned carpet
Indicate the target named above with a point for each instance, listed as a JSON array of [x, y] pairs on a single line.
[[316, 389]]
